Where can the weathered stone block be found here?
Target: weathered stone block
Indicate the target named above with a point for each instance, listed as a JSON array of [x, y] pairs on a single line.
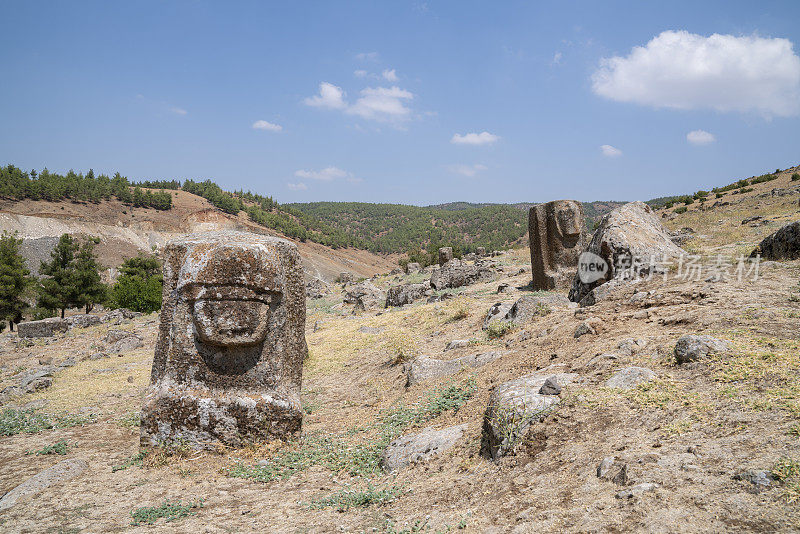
[[44, 328], [231, 343], [557, 238]]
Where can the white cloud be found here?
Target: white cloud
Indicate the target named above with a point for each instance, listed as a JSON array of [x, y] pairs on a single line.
[[268, 126], [557, 57], [389, 75], [367, 56], [360, 73], [299, 186], [178, 111], [682, 70], [382, 104], [467, 170], [330, 96], [327, 174], [700, 137], [610, 151], [483, 138]]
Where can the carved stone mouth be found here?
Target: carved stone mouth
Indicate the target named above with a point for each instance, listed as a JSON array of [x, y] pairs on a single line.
[[197, 292]]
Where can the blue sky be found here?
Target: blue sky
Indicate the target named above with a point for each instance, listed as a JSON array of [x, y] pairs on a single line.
[[423, 103]]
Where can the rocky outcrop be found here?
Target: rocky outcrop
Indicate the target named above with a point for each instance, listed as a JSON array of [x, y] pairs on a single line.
[[557, 237], [627, 240], [420, 447], [782, 245], [119, 316], [44, 328], [413, 268], [514, 407], [456, 273], [426, 368], [406, 294]]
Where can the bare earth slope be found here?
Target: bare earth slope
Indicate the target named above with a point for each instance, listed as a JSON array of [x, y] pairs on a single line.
[[126, 231]]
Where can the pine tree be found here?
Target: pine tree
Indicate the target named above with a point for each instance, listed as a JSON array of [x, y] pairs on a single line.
[[58, 291], [13, 279], [87, 276], [139, 286]]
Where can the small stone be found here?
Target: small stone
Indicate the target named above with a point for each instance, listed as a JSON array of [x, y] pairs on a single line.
[[641, 314], [46, 360], [592, 325], [420, 447], [757, 477], [502, 288], [550, 387], [605, 466], [636, 491], [130, 380]]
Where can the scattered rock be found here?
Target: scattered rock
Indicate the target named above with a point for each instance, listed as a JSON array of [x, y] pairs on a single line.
[[613, 471], [754, 218], [630, 377], [525, 309], [43, 328], [456, 273], [317, 289], [550, 386], [636, 491], [425, 368], [513, 407], [45, 360], [98, 356], [413, 268], [371, 330], [757, 477], [445, 255], [630, 233], [457, 344], [119, 316], [631, 346], [502, 288], [406, 294], [83, 320], [691, 348], [440, 298], [592, 325], [420, 447], [61, 472], [345, 278], [781, 245], [366, 296]]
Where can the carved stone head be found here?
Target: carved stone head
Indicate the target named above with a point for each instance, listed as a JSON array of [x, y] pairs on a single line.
[[233, 335]]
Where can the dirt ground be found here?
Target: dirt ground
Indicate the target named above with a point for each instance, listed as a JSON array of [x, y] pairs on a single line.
[[689, 431]]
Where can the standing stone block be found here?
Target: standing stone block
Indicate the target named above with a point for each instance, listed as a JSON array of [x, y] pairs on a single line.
[[445, 255], [231, 343], [480, 252], [557, 238]]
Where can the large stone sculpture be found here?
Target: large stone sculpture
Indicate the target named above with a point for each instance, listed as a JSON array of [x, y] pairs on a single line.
[[231, 344], [557, 238]]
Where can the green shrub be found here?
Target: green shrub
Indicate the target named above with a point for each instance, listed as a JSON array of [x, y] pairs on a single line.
[[345, 499], [498, 329], [681, 209], [795, 177], [171, 511], [139, 287]]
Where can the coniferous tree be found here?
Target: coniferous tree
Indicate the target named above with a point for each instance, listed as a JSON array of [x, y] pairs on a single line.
[[139, 286], [13, 280], [58, 290], [87, 276]]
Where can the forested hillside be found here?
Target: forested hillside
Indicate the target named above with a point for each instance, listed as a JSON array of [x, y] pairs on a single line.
[[400, 228], [379, 228]]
